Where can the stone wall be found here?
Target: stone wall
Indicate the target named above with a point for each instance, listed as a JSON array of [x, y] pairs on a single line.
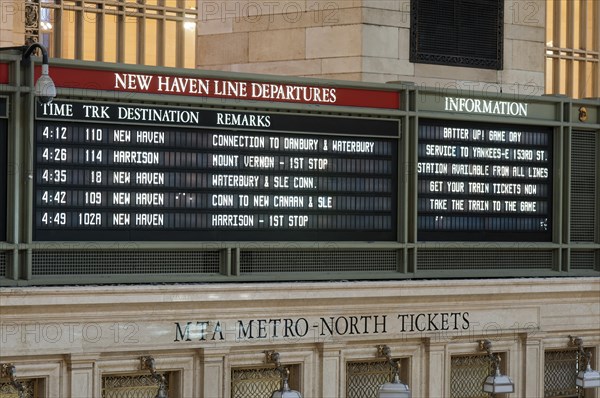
[[72, 336], [12, 23], [360, 40]]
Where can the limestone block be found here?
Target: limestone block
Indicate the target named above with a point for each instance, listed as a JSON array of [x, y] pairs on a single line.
[[330, 15], [342, 65], [288, 68], [265, 7], [380, 41], [376, 16], [229, 48], [404, 43], [378, 77], [525, 12], [531, 33], [322, 4], [355, 77], [247, 9], [259, 23], [338, 16], [528, 55], [224, 68], [387, 65], [455, 73], [277, 45], [391, 5], [215, 27], [334, 41]]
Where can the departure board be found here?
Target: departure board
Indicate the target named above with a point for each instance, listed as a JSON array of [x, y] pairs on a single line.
[[481, 182], [3, 164], [119, 171]]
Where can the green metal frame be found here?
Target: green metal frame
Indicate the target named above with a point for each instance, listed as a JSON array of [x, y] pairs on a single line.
[[560, 113]]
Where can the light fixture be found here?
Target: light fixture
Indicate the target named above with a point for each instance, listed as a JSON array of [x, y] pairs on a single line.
[[495, 383], [148, 363], [586, 378], [8, 370], [395, 388], [45, 90], [284, 391]]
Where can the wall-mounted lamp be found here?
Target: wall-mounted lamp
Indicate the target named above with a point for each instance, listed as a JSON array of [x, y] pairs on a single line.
[[45, 90], [495, 383], [395, 388], [8, 370], [148, 363], [586, 378], [284, 373]]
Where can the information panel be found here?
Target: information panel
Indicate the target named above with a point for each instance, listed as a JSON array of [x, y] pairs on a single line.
[[108, 171], [487, 182], [3, 165]]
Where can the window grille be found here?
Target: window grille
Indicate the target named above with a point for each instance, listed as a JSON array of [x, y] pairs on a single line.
[[363, 379], [253, 261], [2, 264], [560, 371], [260, 382], [584, 183], [131, 386], [91, 262], [445, 32], [573, 48], [149, 32], [31, 389], [467, 374]]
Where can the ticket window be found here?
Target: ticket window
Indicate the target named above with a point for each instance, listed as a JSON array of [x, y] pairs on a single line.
[[560, 372], [136, 385], [32, 388], [468, 372], [363, 378], [260, 382]]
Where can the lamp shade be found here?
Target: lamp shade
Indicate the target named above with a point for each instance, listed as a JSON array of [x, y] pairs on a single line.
[[498, 384], [588, 378], [394, 390], [162, 392], [286, 392]]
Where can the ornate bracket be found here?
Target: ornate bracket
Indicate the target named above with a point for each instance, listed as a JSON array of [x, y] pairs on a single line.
[[284, 372], [385, 351], [486, 345], [583, 354], [148, 363], [8, 370]]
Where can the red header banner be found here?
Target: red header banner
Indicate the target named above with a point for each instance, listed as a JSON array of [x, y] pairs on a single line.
[[107, 80], [3, 73]]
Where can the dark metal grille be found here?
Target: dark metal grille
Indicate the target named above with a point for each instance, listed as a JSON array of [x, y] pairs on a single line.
[[318, 261], [467, 374], [363, 379], [560, 371], [8, 391], [457, 32], [124, 262], [480, 259], [136, 386], [584, 259], [584, 183], [259, 382], [2, 264]]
